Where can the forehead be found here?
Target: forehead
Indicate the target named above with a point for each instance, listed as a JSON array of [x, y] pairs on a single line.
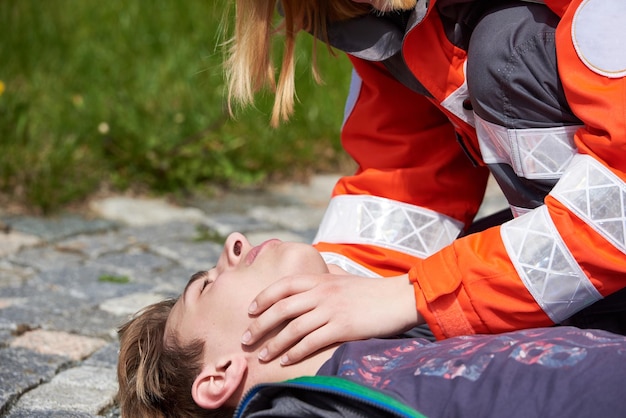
[[176, 315], [173, 319]]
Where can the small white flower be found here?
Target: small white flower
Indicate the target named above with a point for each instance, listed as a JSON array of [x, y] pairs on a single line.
[[103, 128]]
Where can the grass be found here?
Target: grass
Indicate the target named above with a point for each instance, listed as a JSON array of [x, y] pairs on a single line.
[[109, 278], [129, 94]]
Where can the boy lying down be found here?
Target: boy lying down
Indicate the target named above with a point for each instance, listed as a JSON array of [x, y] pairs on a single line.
[[184, 358]]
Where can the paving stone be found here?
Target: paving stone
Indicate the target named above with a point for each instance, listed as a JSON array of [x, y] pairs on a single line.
[[289, 217], [6, 325], [6, 302], [6, 337], [85, 320], [67, 300], [91, 284], [128, 305], [314, 194], [22, 370], [143, 211], [11, 242], [136, 264], [101, 378], [195, 255], [171, 282], [113, 412], [46, 258], [168, 232], [85, 389], [58, 343], [14, 275], [105, 357], [225, 224], [239, 203], [94, 246], [51, 229]]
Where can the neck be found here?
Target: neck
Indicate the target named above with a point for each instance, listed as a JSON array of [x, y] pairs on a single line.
[[273, 371]]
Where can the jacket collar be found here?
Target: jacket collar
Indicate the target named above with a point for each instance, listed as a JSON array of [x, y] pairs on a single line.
[[375, 38]]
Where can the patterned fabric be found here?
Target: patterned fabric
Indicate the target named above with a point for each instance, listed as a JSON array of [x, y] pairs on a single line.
[[559, 371]]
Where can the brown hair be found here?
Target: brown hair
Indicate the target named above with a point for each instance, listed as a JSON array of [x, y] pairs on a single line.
[[249, 67], [155, 377]]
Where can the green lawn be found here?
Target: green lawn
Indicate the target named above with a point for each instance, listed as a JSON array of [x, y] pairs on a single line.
[[130, 94]]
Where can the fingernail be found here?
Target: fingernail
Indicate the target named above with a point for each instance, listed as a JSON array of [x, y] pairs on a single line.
[[284, 360], [263, 354], [245, 339], [252, 308]]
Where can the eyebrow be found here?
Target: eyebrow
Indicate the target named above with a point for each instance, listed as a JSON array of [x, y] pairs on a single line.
[[194, 277]]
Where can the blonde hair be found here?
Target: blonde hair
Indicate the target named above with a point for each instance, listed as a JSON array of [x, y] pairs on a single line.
[[155, 377], [249, 67]]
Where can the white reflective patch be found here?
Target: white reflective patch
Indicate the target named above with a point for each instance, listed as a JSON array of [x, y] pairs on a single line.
[[517, 211], [597, 196], [348, 264], [599, 36], [532, 153], [360, 219], [454, 103], [545, 265], [353, 95]]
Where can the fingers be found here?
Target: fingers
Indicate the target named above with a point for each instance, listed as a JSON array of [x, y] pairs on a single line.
[[291, 337], [278, 290], [308, 313], [308, 327], [283, 300], [314, 341]]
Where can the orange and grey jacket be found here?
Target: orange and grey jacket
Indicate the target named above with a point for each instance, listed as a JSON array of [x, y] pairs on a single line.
[[410, 125]]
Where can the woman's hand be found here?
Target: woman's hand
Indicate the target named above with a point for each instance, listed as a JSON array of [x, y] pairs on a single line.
[[327, 309]]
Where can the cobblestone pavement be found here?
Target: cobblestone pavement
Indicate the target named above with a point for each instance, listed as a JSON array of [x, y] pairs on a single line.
[[67, 283]]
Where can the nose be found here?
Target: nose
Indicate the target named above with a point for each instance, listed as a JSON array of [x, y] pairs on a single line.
[[235, 247]]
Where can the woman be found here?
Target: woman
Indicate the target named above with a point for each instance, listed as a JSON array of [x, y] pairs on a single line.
[[445, 92]]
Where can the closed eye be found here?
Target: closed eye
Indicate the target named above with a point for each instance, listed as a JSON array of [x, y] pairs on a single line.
[[204, 285], [203, 275]]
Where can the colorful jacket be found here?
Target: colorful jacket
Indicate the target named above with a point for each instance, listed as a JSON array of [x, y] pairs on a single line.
[[415, 192], [552, 372]]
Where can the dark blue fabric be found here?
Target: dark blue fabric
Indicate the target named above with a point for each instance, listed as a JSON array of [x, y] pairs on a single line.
[[551, 372]]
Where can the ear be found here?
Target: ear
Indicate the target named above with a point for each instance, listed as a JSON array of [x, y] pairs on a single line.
[[216, 384]]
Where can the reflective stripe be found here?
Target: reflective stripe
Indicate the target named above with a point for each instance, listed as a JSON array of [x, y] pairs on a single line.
[[517, 211], [353, 94], [545, 265], [348, 264], [454, 103], [361, 219], [541, 153], [597, 196]]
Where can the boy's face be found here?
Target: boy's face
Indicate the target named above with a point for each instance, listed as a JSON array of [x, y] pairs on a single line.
[[214, 306]]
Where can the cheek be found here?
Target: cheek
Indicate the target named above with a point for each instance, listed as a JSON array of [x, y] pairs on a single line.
[[232, 299]]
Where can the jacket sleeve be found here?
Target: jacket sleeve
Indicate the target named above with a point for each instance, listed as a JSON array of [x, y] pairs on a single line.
[[414, 189], [548, 264]]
